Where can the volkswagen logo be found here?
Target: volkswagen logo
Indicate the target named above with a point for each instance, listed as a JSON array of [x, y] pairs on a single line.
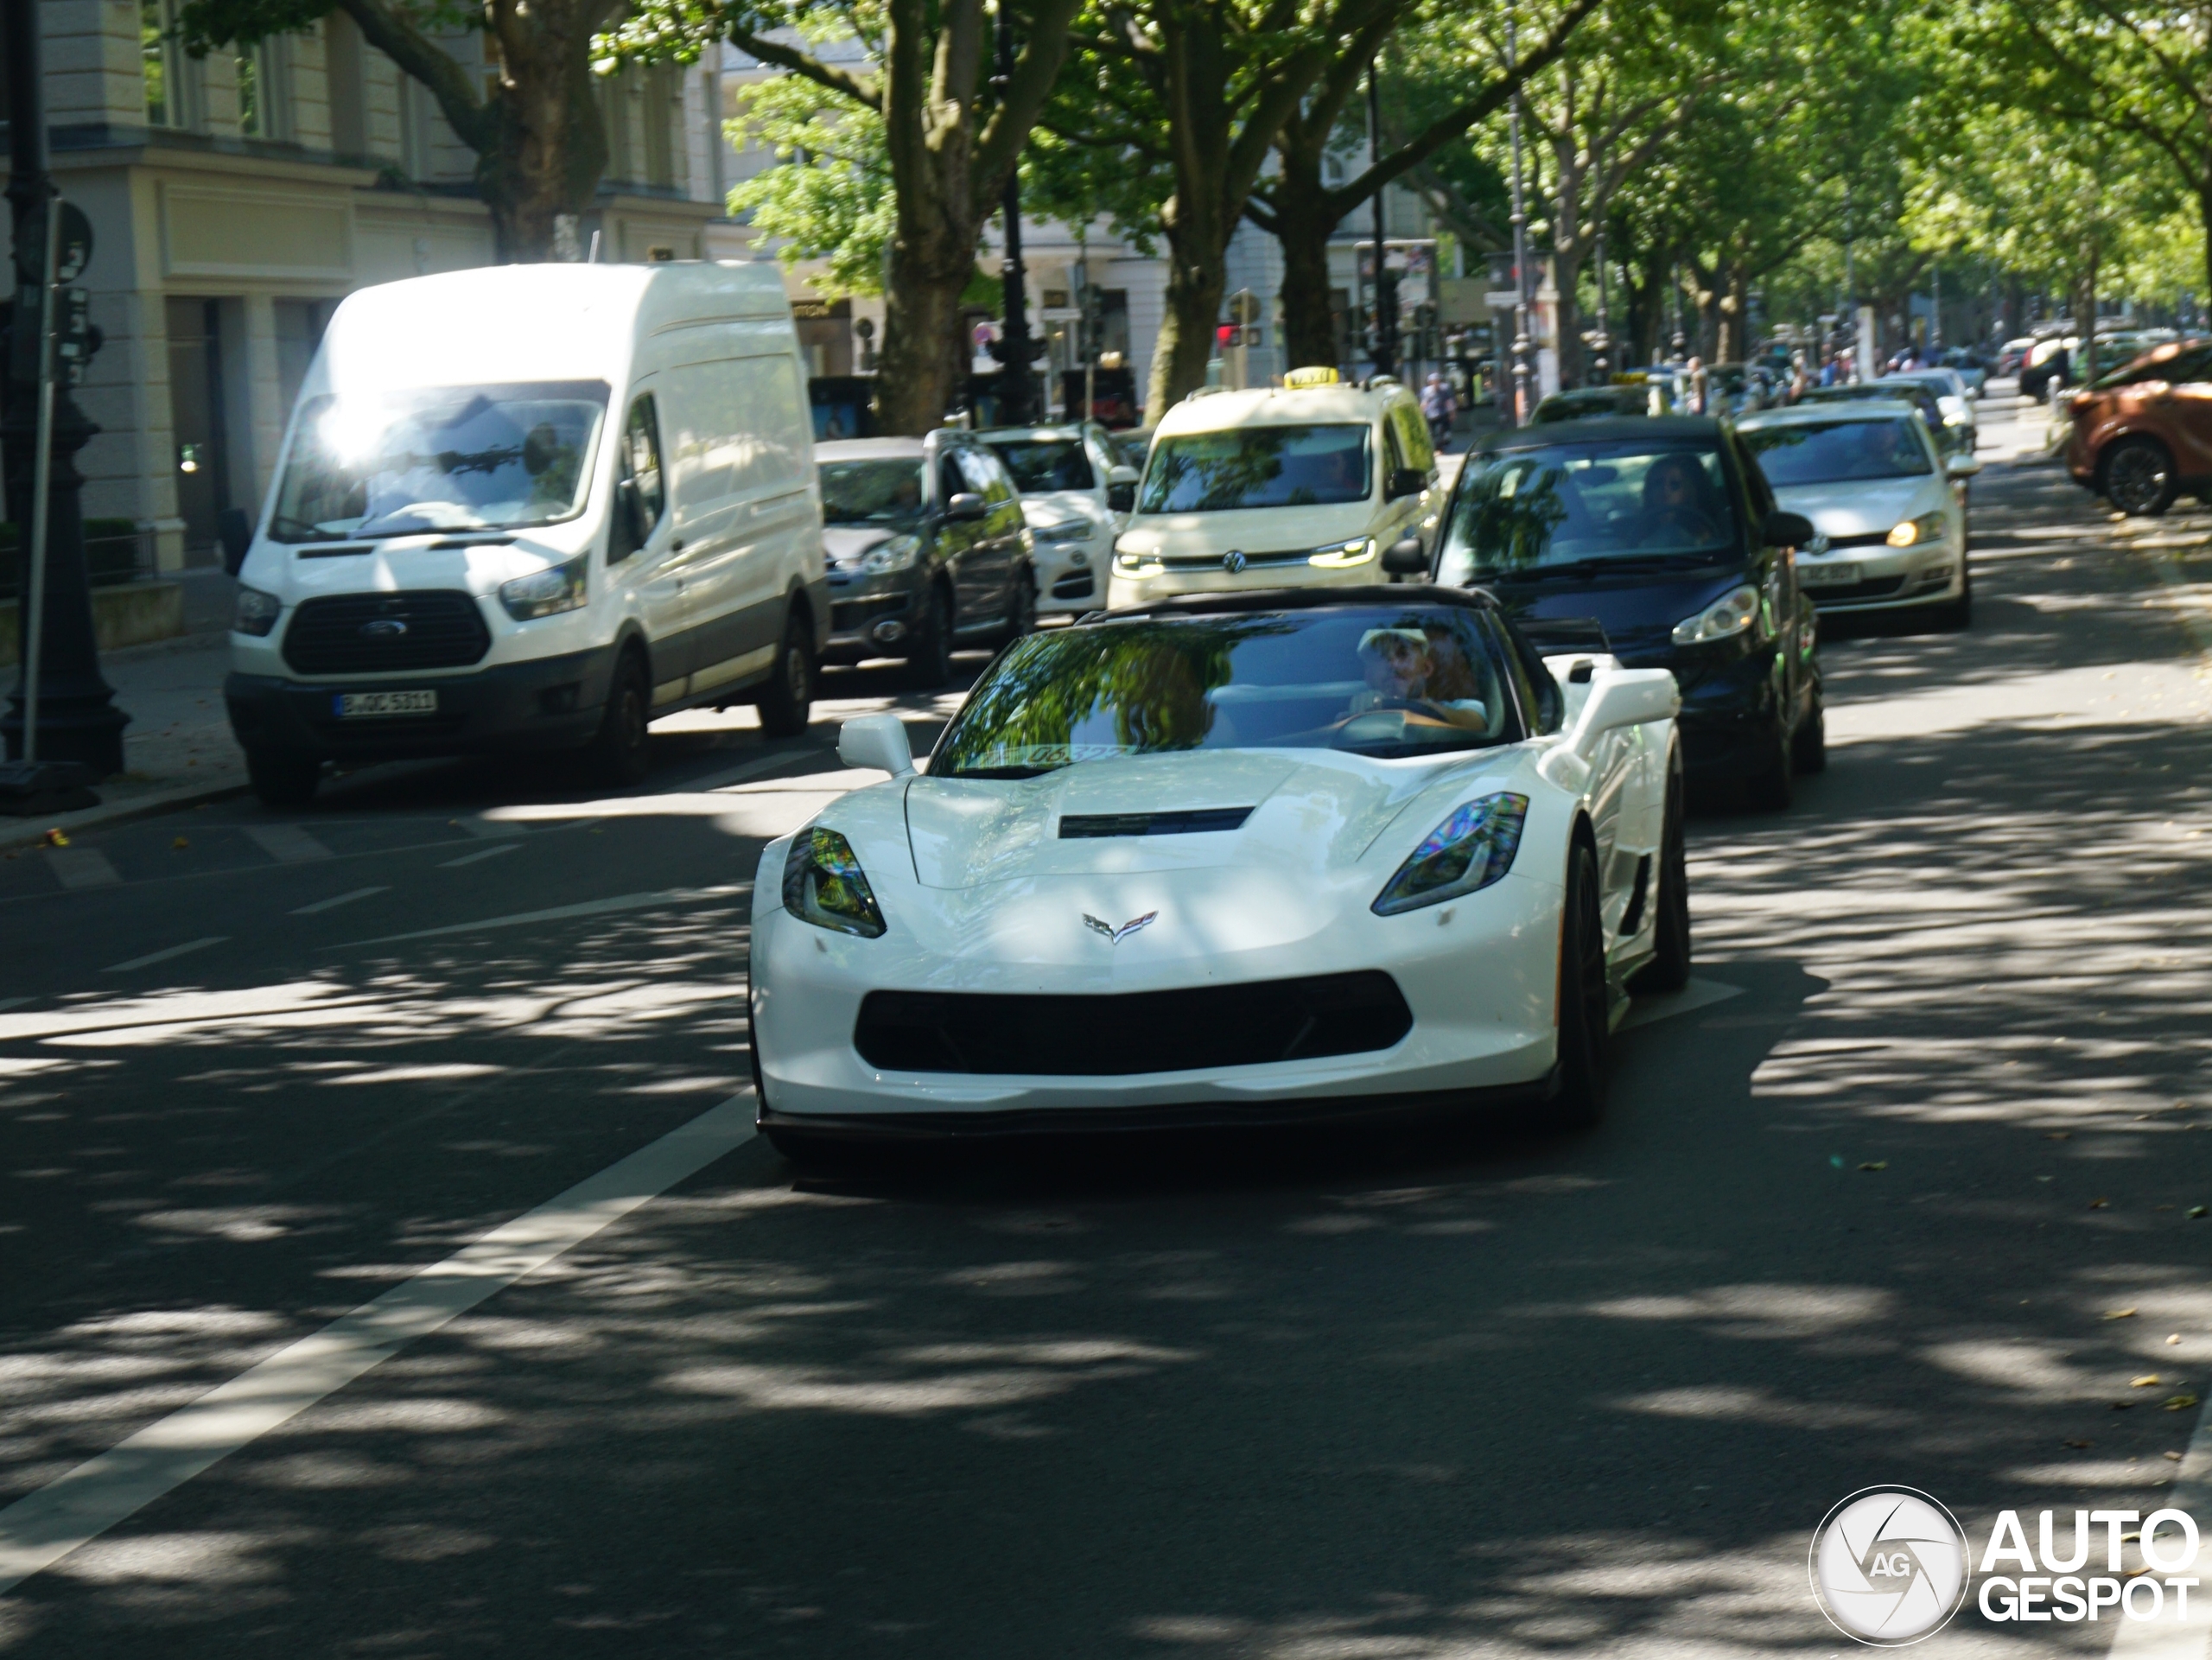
[[1234, 562], [382, 628], [1889, 1565]]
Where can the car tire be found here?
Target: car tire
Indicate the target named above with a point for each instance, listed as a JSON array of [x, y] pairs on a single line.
[[2137, 476], [1585, 1001], [1669, 967], [1021, 606], [282, 778], [1772, 786], [1809, 745], [787, 701], [929, 659], [620, 752]]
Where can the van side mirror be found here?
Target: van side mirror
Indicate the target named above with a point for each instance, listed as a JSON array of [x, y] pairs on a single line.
[[967, 506], [235, 531], [1789, 531], [630, 529], [1961, 467], [1406, 558], [878, 741], [1405, 482]]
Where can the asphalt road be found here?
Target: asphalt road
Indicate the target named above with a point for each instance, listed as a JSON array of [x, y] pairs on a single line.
[[1865, 1200]]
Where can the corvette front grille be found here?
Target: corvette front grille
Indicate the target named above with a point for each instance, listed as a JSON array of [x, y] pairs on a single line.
[[1114, 1036]]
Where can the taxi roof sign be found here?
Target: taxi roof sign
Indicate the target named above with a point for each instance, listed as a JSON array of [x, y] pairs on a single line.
[[1314, 377]]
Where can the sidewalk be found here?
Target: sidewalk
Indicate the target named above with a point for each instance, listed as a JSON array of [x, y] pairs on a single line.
[[177, 750]]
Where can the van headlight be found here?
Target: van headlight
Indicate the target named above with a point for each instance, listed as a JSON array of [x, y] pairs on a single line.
[[1468, 851], [1339, 554], [1724, 618], [898, 554], [823, 884], [1134, 562], [1929, 527], [545, 592], [255, 613]]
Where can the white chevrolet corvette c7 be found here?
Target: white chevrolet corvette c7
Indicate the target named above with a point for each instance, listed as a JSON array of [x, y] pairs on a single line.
[[1230, 859]]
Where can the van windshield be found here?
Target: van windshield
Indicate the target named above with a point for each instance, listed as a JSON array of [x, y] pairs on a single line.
[[438, 458], [1257, 467]]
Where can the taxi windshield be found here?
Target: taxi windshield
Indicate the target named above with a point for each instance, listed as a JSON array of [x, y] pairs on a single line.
[[1257, 467], [1374, 680]]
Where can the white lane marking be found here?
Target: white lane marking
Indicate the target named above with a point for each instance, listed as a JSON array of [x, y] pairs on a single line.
[[37, 1531], [82, 867], [332, 903], [286, 843], [12, 1002], [152, 957], [561, 912], [478, 858], [1697, 994]]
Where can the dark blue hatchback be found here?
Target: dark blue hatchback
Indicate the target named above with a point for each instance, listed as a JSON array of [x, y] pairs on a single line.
[[1664, 534]]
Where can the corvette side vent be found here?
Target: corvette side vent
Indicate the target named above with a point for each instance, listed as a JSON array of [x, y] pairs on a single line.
[[1195, 822], [1190, 1030]]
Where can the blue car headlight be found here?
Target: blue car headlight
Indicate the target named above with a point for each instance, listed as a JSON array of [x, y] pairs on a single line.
[[1468, 851], [823, 884]]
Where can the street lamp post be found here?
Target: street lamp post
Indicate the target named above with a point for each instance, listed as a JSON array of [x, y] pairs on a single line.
[[1521, 344], [1017, 388], [66, 715]]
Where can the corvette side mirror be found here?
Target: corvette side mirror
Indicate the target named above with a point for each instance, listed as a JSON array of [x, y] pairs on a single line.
[[878, 741], [1962, 466], [1626, 697]]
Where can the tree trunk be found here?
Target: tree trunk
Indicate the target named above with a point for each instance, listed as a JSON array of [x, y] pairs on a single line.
[[1197, 275], [1303, 224], [2085, 321], [1567, 277], [922, 359], [1732, 308], [549, 151]]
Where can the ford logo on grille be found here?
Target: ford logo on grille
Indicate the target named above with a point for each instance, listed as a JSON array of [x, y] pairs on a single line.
[[383, 628]]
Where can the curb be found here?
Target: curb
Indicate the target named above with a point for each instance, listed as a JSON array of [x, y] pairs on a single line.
[[19, 833]]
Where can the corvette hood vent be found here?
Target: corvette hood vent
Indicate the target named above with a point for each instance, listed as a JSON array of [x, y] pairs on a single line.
[[1191, 822]]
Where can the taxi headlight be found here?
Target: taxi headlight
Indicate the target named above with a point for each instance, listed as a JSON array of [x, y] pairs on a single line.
[[1929, 527], [1339, 554], [1136, 562], [823, 884], [1468, 851]]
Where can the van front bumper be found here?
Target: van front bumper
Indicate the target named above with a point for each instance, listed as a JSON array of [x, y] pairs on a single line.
[[546, 704]]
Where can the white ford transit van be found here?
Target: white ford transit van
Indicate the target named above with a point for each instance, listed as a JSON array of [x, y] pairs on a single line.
[[529, 508]]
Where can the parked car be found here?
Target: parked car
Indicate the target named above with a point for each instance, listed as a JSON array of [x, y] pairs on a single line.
[[1593, 403], [2143, 434], [529, 508], [1660, 536], [1077, 493], [1289, 486], [1885, 500], [928, 548], [1969, 368], [2013, 354], [1359, 855], [1957, 430], [2047, 362]]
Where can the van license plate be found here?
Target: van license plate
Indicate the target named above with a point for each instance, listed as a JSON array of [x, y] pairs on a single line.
[[1827, 576], [353, 705]]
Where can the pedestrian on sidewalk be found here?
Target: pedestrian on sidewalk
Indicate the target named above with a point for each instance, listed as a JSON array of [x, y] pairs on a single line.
[[1439, 406]]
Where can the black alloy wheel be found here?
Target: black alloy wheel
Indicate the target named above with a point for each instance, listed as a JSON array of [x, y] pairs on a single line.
[[1808, 746], [1772, 784], [619, 752], [929, 660], [1669, 967], [787, 701], [2139, 477], [282, 778], [1585, 1002]]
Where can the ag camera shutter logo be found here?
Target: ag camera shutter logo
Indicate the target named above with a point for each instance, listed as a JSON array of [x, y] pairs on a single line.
[[1889, 1565]]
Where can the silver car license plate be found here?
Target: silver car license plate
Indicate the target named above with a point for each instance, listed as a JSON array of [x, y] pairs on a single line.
[[1827, 576], [355, 705]]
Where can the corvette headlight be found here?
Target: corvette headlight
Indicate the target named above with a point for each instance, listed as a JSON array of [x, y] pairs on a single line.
[[898, 554], [543, 593], [1469, 850], [255, 613], [823, 884], [1070, 530], [1724, 618], [1929, 527], [1338, 554]]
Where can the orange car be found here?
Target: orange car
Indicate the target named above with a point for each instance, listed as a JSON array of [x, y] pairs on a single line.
[[2143, 434]]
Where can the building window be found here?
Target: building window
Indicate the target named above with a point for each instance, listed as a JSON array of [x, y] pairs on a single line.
[[157, 51]]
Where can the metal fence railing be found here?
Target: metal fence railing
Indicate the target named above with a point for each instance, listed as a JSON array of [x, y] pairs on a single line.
[[117, 550]]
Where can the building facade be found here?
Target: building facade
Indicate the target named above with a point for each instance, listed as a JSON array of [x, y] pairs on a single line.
[[237, 198]]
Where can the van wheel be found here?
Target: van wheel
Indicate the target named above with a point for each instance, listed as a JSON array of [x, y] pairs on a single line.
[[618, 752], [787, 701], [929, 663], [282, 778]]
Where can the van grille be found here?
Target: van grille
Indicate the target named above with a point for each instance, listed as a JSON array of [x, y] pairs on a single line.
[[340, 634], [1202, 1027]]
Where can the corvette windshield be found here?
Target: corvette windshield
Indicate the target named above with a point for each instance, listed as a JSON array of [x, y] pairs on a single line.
[[443, 458], [1375, 680], [1574, 509], [1832, 452]]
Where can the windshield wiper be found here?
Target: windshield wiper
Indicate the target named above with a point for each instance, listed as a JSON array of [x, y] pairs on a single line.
[[284, 527], [1599, 566], [1004, 771]]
